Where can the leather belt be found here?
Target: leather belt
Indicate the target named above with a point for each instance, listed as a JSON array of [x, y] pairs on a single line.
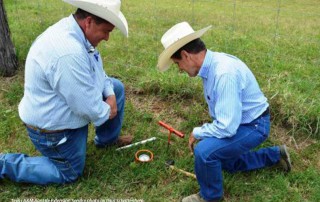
[[43, 130]]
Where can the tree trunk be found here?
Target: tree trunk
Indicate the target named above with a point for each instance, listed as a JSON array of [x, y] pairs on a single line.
[[8, 57]]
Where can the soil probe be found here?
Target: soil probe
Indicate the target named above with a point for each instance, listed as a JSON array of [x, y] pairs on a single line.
[[137, 143], [171, 130]]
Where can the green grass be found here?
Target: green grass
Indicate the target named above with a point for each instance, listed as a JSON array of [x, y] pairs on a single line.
[[282, 49]]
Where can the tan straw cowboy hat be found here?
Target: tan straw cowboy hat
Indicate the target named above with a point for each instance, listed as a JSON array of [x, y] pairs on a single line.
[[108, 10], [175, 38]]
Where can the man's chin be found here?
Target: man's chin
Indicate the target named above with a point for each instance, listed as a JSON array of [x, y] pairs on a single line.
[[192, 74]]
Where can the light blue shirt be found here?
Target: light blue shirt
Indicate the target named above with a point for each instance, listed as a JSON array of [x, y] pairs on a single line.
[[64, 80], [232, 94]]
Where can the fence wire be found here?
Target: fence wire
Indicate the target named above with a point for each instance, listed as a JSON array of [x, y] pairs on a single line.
[[232, 18]]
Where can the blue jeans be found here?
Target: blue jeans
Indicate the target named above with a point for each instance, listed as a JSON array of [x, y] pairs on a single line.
[[64, 153], [232, 154]]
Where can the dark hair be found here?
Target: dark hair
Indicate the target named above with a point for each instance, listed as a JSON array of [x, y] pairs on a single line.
[[82, 14], [194, 46]]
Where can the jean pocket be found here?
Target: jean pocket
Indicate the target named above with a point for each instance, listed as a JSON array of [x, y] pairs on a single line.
[[263, 126], [35, 137], [55, 139], [48, 140]]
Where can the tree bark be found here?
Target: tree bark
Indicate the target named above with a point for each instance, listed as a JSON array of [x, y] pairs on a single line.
[[8, 57]]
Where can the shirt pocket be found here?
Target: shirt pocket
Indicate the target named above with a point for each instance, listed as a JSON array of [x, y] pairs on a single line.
[[92, 69], [211, 105], [211, 101]]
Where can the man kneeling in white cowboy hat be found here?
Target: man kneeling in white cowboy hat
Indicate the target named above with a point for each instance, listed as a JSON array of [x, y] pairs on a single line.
[[240, 111], [65, 89]]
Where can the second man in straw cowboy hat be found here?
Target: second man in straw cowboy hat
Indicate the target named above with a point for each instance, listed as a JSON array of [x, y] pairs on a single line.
[[240, 112], [65, 89]]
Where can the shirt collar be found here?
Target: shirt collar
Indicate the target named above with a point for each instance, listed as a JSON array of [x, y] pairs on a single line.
[[90, 48], [205, 65]]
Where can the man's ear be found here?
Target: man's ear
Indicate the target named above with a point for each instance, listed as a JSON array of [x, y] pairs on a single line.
[[184, 54], [87, 21]]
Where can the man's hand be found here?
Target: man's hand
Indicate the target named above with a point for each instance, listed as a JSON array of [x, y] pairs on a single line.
[[192, 140], [112, 102]]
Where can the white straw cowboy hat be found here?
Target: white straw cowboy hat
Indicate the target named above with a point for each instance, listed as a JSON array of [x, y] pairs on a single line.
[[174, 39], [108, 10]]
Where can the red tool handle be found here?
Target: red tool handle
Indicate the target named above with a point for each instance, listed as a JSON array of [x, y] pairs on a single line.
[[176, 132]]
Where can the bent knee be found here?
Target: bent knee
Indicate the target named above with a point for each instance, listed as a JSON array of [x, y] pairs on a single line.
[[199, 153], [68, 172], [118, 85], [203, 154], [72, 177]]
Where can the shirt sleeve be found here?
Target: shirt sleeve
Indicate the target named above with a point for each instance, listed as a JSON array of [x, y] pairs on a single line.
[[108, 87], [72, 78], [227, 107]]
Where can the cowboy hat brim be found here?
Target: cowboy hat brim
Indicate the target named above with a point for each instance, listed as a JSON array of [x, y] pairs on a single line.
[[118, 20], [165, 60]]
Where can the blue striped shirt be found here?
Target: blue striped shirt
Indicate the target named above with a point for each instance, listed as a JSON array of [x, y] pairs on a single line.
[[232, 94], [64, 80]]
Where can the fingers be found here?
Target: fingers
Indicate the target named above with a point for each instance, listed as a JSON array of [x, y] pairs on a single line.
[[112, 115], [191, 148], [113, 112], [191, 142], [111, 101]]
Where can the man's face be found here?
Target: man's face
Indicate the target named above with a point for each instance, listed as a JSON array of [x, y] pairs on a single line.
[[186, 64], [95, 33]]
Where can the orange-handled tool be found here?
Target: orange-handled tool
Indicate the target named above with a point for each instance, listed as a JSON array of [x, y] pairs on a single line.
[[171, 130]]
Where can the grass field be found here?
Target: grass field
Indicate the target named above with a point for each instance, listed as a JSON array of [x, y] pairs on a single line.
[[279, 42]]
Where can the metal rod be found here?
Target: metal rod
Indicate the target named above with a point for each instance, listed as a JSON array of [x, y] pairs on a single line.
[[137, 143]]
